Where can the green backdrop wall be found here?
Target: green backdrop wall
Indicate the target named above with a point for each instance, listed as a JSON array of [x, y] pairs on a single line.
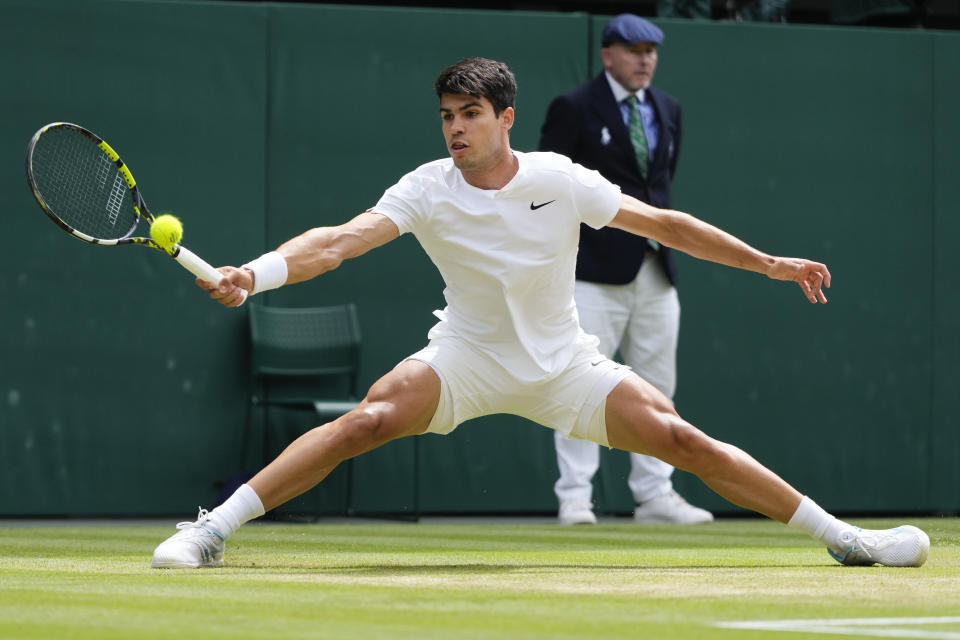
[[255, 121]]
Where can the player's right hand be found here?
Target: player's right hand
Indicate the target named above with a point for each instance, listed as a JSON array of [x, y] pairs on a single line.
[[234, 288]]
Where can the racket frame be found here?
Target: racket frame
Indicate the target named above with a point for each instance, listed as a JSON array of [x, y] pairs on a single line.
[[189, 260]]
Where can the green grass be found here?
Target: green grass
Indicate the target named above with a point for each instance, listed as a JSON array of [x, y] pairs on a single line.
[[460, 580]]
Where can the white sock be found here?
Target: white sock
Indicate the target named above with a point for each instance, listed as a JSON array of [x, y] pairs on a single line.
[[816, 522], [242, 506]]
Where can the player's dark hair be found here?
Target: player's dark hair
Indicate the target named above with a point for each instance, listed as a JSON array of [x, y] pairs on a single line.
[[481, 78]]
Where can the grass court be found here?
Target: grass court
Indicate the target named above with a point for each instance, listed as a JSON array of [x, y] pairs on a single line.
[[471, 578]]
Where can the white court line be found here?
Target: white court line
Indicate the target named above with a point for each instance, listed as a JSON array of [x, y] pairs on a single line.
[[894, 627]]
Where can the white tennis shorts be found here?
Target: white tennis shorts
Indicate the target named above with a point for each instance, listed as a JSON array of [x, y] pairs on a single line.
[[474, 384]]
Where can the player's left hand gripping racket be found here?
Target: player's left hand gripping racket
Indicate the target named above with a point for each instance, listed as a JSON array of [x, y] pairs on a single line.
[[81, 183]]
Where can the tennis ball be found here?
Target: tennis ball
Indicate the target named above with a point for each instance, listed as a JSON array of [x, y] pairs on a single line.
[[166, 231]]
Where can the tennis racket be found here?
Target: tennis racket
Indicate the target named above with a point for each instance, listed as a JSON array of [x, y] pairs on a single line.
[[81, 183]]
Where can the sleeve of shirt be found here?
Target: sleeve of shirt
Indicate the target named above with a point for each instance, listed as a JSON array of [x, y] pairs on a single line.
[[596, 198], [403, 203]]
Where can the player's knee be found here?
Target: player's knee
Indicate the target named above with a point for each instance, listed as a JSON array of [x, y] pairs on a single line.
[[694, 449], [366, 426]]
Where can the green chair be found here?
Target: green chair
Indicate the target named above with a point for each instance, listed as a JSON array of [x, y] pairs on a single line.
[[306, 358], [303, 359]]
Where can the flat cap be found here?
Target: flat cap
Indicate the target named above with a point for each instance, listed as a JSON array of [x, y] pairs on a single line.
[[630, 29]]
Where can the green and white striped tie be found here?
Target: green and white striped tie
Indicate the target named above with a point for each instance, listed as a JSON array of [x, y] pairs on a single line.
[[639, 140], [637, 136]]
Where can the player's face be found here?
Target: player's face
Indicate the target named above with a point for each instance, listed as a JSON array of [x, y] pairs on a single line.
[[476, 138], [632, 65]]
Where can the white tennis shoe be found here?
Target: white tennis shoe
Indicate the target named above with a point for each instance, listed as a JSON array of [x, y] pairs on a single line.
[[670, 509], [576, 512], [197, 544], [905, 546]]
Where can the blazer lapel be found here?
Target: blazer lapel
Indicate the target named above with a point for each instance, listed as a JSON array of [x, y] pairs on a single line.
[[608, 112], [665, 142]]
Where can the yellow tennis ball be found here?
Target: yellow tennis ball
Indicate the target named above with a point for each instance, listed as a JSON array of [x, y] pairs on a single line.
[[166, 231]]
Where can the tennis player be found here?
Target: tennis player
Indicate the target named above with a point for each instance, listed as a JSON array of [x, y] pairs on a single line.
[[502, 227]]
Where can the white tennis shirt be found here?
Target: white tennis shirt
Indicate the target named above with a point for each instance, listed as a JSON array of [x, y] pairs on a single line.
[[507, 256]]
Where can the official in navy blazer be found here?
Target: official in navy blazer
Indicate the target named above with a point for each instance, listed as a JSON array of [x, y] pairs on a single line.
[[586, 125], [626, 292]]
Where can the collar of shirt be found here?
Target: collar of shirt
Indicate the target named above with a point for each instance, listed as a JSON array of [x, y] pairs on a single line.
[[619, 93]]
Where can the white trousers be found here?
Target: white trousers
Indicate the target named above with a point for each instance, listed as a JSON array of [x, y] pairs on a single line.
[[641, 320]]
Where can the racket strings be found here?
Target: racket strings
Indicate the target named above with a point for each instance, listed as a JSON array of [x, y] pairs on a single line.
[[82, 186]]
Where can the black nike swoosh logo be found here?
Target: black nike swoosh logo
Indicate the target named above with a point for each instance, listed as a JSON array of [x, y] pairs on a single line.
[[534, 207]]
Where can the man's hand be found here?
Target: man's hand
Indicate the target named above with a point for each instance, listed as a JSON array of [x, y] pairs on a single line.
[[230, 292], [812, 277]]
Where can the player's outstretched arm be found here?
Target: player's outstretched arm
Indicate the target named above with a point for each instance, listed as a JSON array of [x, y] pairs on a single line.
[[324, 249], [310, 254], [702, 240]]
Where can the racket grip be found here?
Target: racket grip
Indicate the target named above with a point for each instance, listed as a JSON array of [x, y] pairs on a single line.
[[199, 267]]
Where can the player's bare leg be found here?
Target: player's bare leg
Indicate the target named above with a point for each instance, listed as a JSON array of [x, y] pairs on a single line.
[[401, 403], [641, 419]]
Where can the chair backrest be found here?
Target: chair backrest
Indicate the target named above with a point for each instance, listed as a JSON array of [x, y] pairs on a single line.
[[305, 342]]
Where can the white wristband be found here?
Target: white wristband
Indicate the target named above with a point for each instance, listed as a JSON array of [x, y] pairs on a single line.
[[269, 272]]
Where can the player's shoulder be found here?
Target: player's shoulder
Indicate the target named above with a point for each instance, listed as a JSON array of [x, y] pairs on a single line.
[[547, 161], [554, 168], [435, 171], [434, 167]]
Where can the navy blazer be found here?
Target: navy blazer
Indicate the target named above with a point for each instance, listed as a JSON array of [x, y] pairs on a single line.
[[585, 124]]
